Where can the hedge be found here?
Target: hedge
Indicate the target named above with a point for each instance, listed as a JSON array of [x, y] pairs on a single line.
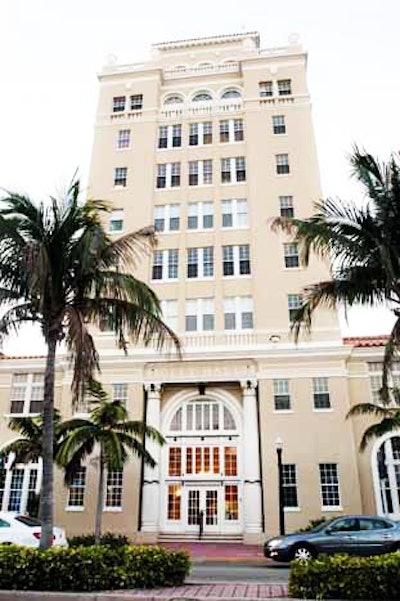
[[91, 568], [108, 538], [346, 577]]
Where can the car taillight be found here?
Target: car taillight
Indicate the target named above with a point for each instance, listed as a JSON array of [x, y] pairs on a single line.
[[38, 535]]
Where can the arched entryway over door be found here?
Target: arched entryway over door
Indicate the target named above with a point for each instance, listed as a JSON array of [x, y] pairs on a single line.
[[385, 460], [201, 468]]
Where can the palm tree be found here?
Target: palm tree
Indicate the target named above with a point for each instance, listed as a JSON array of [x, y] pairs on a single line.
[[109, 431], [59, 268], [362, 241]]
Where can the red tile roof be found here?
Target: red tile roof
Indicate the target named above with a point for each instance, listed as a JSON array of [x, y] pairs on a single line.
[[366, 341]]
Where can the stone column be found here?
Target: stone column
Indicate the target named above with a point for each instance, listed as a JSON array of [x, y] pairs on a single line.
[[151, 481], [251, 464]]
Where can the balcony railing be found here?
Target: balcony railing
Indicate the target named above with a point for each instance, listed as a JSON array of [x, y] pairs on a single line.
[[201, 109], [194, 71]]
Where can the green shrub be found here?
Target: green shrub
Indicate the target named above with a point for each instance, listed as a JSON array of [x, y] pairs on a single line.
[[94, 568], [110, 539], [312, 524], [346, 577]]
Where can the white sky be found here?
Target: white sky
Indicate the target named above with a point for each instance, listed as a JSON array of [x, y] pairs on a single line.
[[51, 51]]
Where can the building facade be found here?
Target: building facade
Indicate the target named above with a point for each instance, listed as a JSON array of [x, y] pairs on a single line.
[[209, 140]]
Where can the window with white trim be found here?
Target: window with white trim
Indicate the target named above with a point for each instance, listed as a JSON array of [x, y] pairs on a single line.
[[289, 485], [295, 302], [124, 139], [116, 221], [114, 488], [168, 175], [170, 136], [282, 164], [202, 97], [119, 104], [200, 262], [234, 212], [120, 392], [200, 215], [278, 124], [238, 313], [284, 87], [321, 393], [329, 481], [173, 99], [266, 89], [200, 134], [281, 395], [233, 170], [291, 254], [170, 313], [27, 392], [76, 490], [19, 488], [203, 416], [136, 102], [231, 93], [199, 315], [200, 172], [231, 130], [167, 217], [236, 260], [165, 264], [120, 177], [286, 207]]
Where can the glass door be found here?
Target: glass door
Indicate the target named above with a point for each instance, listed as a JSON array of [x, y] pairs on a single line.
[[203, 504]]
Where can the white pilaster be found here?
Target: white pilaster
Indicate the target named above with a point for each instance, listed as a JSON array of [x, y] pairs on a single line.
[[251, 464], [151, 481]]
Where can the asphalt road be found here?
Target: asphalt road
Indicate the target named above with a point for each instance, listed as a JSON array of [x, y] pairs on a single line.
[[237, 573]]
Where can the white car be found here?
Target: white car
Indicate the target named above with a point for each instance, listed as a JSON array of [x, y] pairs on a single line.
[[19, 529]]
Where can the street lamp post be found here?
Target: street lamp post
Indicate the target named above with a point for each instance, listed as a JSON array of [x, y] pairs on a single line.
[[279, 449]]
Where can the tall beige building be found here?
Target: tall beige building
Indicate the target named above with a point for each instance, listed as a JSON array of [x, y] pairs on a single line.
[[209, 140]]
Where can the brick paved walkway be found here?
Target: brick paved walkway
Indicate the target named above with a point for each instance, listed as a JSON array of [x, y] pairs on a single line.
[[209, 592]]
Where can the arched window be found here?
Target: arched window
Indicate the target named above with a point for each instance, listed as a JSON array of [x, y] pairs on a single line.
[[203, 416], [231, 93], [205, 65], [173, 99], [202, 97]]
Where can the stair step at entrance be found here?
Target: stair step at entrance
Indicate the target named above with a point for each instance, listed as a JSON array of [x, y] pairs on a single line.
[[206, 538]]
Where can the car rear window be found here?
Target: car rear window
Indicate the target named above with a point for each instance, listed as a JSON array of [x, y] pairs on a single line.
[[28, 520]]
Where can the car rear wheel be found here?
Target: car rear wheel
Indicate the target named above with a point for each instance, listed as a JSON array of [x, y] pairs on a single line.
[[303, 553]]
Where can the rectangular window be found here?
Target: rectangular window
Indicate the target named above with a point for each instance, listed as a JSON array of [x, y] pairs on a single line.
[[295, 302], [119, 104], [230, 461], [289, 485], [291, 254], [199, 315], [168, 175], [231, 130], [236, 260], [120, 393], [234, 213], [231, 502], [278, 124], [286, 207], [282, 164], [200, 215], [114, 488], [233, 170], [167, 218], [200, 172], [193, 173], [175, 461], [76, 491], [265, 89], [281, 395], [170, 136], [165, 264], [116, 221], [27, 391], [284, 87], [124, 139], [174, 501], [200, 133], [136, 102], [329, 480], [238, 313], [120, 176], [170, 313], [200, 262], [321, 393]]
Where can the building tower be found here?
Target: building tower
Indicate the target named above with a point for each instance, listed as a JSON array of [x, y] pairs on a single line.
[[209, 140]]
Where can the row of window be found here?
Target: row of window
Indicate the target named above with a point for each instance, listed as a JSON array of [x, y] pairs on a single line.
[[200, 314], [232, 171], [281, 87], [200, 215], [282, 397], [113, 490], [329, 485]]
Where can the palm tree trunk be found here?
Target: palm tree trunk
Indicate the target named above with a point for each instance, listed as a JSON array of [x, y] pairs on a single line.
[[46, 499], [100, 502]]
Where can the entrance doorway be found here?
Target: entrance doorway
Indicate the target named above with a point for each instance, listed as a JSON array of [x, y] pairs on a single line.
[[202, 504]]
